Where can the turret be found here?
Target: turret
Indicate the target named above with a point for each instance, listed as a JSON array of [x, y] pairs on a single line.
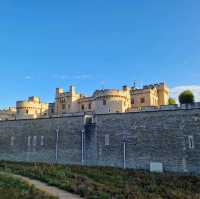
[[125, 88], [59, 91], [163, 93], [72, 89]]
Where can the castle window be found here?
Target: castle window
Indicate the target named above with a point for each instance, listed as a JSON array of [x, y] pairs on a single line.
[[34, 140], [133, 101], [82, 107], [88, 120], [107, 140], [62, 100], [63, 106], [12, 139], [26, 111], [104, 102], [89, 106], [69, 106], [29, 141], [42, 141], [191, 142], [142, 100]]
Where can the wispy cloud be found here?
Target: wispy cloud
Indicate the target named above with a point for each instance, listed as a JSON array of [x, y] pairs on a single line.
[[175, 92]]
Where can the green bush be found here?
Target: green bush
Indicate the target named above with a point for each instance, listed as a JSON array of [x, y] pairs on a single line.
[[171, 101], [82, 191], [186, 97], [104, 195]]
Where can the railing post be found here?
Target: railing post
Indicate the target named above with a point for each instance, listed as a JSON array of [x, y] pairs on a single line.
[[124, 148], [57, 138], [82, 147]]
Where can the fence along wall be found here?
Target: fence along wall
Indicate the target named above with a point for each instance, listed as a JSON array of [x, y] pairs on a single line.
[[131, 140]]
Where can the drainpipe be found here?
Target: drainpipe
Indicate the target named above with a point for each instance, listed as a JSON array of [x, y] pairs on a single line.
[[124, 146], [82, 147], [57, 137]]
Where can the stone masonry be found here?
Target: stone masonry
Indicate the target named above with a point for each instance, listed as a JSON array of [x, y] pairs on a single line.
[[129, 140]]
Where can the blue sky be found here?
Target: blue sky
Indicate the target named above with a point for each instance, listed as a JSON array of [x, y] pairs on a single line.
[[92, 44]]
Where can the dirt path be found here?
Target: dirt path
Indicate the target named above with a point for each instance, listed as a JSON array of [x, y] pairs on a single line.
[[49, 189]]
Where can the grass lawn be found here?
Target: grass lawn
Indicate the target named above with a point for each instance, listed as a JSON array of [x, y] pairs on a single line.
[[12, 188], [107, 182]]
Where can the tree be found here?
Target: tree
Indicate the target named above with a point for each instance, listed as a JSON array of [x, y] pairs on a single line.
[[186, 97], [171, 101]]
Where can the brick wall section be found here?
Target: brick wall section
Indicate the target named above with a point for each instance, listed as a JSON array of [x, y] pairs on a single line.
[[156, 136]]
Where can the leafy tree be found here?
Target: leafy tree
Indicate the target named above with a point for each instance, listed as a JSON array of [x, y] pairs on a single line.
[[186, 97], [171, 101]]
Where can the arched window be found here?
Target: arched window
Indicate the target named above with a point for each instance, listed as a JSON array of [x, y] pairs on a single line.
[[82, 107], [142, 100]]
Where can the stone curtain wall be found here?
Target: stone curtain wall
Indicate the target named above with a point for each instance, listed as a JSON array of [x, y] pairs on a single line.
[[168, 137], [131, 140], [36, 140]]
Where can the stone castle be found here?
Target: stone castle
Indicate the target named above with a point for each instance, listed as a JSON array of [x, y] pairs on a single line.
[[127, 128], [165, 139], [102, 101]]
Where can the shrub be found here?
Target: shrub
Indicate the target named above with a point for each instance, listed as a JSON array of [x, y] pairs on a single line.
[[171, 101], [82, 191], [104, 195], [186, 97]]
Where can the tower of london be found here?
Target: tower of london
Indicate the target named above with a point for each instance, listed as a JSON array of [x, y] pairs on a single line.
[[103, 101]]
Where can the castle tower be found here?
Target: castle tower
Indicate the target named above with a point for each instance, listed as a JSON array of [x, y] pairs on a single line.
[[72, 89], [163, 94], [59, 91]]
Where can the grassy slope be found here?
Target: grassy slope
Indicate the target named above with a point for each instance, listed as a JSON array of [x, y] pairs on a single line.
[[105, 182], [12, 188]]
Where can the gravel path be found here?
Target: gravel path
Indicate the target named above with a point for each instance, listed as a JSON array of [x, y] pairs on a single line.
[[61, 194]]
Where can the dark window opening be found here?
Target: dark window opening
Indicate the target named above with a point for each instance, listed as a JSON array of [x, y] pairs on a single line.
[[104, 102], [82, 107], [88, 120], [89, 106], [142, 100], [63, 106]]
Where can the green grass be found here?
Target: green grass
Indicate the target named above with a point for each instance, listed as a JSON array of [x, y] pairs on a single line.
[[12, 188], [107, 182]]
